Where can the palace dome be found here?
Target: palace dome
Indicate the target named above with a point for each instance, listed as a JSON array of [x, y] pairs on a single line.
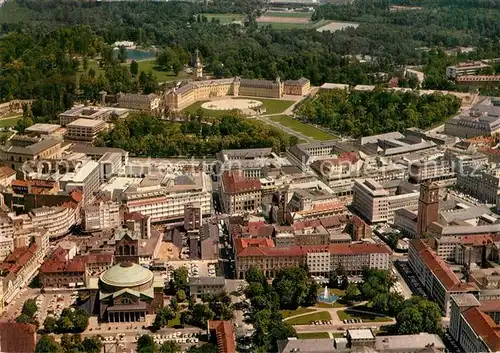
[[127, 275]]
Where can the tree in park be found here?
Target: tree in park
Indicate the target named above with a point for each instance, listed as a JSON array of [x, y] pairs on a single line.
[[71, 343], [146, 344], [50, 324], [204, 348], [375, 282], [254, 275], [170, 347], [85, 63], [180, 277], [350, 293], [92, 344], [28, 312], [122, 54], [174, 303], [134, 68], [25, 319], [181, 295], [47, 344], [419, 315], [23, 124], [292, 286], [163, 316]]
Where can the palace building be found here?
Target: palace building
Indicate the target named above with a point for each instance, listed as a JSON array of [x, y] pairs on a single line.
[[203, 89]]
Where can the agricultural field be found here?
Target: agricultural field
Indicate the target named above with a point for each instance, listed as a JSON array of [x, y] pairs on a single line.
[[225, 18], [333, 26], [289, 14], [291, 20]]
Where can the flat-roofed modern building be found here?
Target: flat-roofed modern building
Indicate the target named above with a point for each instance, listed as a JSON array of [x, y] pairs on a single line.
[[85, 179], [85, 129], [101, 215], [466, 68], [206, 285], [110, 164], [377, 202], [89, 112], [42, 129], [164, 197]]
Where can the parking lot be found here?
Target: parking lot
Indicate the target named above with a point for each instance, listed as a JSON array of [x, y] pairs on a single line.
[[196, 268], [410, 278], [52, 304]]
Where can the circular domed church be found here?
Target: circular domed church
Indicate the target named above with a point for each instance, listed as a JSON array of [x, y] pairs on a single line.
[[127, 292]]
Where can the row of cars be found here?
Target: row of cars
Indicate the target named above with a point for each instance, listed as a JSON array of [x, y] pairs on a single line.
[[352, 321], [321, 322], [177, 337]]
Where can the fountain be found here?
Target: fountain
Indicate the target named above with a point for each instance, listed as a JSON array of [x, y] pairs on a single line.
[[327, 298]]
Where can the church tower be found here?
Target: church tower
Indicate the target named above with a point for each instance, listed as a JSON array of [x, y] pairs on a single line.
[[198, 67], [428, 207]]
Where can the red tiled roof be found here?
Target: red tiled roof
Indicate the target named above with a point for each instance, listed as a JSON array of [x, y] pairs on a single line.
[[69, 204], [59, 254], [484, 326], [324, 165], [76, 264], [243, 243], [312, 223], [234, 182], [17, 337], [19, 182], [100, 258], [76, 195], [478, 240], [490, 150], [480, 78], [437, 266], [242, 249], [134, 216], [18, 258], [6, 171], [333, 221], [358, 222], [225, 335], [490, 306]]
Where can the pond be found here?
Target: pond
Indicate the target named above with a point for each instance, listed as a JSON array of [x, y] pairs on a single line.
[[136, 54]]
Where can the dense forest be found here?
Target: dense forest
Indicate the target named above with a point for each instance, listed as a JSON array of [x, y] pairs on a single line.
[[262, 52], [366, 113], [143, 135], [45, 44]]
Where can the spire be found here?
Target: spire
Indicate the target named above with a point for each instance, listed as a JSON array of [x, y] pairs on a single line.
[[198, 67], [198, 61]]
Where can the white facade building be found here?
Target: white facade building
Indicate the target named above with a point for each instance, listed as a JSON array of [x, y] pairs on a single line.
[[101, 215], [377, 202]]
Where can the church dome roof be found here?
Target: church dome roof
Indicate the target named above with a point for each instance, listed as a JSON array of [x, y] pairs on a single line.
[[126, 275]]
